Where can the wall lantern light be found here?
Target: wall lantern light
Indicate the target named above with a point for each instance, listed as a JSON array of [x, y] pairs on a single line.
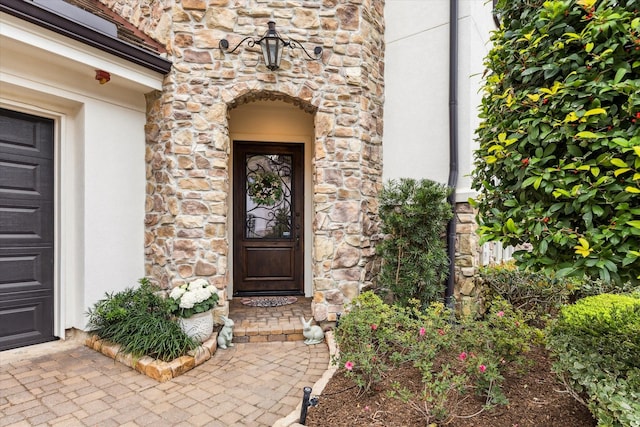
[[272, 44]]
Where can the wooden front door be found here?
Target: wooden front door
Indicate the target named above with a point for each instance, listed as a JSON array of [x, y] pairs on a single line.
[[26, 229], [268, 215]]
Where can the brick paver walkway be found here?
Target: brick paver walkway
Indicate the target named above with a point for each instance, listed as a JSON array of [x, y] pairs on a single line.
[[250, 384]]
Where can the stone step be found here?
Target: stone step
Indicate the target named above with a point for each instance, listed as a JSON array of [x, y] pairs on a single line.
[[249, 331], [266, 324]]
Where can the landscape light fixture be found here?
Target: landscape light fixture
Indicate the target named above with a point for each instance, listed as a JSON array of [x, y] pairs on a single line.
[[272, 44]]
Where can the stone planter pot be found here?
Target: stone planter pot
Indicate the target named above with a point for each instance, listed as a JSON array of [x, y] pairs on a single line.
[[199, 326]]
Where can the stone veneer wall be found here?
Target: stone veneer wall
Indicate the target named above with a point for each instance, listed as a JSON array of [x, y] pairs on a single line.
[[467, 260], [153, 17], [188, 142]]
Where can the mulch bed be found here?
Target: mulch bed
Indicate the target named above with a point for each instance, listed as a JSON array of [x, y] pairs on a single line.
[[536, 399]]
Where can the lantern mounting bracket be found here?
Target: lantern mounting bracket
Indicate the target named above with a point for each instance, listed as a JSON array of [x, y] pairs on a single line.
[[271, 44]]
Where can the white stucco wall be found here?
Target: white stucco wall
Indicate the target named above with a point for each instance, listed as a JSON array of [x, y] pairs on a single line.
[[416, 115], [100, 159]]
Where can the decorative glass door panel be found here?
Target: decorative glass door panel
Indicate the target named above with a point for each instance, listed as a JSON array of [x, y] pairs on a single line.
[[268, 219], [268, 196]]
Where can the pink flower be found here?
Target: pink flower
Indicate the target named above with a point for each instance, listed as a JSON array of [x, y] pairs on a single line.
[[422, 331], [500, 313], [348, 366], [374, 326], [440, 331], [482, 368], [462, 356]]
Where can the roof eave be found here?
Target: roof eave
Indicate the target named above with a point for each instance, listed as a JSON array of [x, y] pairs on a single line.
[[44, 18]]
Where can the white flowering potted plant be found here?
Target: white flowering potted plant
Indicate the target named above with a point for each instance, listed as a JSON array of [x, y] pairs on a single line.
[[191, 303]]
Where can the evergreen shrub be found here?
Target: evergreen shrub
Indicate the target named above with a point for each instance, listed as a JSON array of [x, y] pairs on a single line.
[[414, 216], [596, 342]]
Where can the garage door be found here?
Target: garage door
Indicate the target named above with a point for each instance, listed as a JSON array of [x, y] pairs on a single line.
[[26, 229]]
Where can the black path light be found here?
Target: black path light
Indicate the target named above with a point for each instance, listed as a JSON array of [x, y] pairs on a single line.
[[272, 45]]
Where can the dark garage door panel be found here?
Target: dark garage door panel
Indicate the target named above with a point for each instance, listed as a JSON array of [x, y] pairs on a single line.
[[23, 177], [23, 223], [24, 134], [23, 271], [25, 321]]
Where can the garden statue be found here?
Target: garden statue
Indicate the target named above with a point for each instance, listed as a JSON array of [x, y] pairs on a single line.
[[226, 333], [313, 334]]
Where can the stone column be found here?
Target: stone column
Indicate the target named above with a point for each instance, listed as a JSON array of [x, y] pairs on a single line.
[[467, 260]]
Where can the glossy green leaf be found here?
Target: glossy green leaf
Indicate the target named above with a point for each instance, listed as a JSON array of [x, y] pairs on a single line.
[[587, 135], [619, 163], [595, 111], [619, 75], [634, 190], [621, 171]]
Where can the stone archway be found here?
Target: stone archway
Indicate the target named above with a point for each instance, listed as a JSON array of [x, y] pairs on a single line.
[[274, 119]]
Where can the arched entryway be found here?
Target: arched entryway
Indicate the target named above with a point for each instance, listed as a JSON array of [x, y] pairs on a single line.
[[270, 213]]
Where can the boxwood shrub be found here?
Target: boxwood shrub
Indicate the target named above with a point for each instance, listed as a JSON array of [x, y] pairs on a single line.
[[596, 343]]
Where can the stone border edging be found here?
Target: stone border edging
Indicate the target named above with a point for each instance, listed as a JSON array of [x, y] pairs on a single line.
[[157, 369], [292, 420]]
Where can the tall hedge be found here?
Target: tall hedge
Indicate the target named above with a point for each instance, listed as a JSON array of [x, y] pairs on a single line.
[[559, 159]]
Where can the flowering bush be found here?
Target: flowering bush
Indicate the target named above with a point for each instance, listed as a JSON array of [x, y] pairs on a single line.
[[363, 338], [192, 298], [454, 358]]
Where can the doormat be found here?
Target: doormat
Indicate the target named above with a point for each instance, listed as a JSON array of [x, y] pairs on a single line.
[[268, 301]]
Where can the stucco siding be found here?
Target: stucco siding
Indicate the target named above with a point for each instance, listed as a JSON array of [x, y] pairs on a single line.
[[416, 111]]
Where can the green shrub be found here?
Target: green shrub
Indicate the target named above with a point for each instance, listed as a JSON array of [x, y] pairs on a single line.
[[596, 343], [541, 294], [531, 291], [592, 287], [414, 217], [140, 321], [148, 334]]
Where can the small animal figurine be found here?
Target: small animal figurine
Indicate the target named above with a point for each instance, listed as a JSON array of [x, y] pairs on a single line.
[[313, 334], [226, 333]]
